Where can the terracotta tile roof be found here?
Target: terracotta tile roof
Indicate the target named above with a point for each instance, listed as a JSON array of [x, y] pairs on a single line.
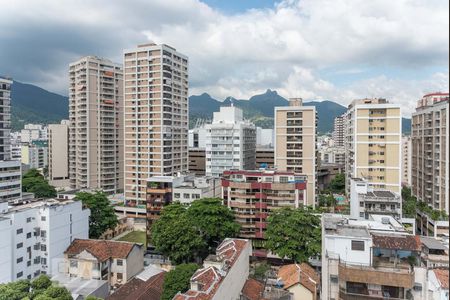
[[443, 277], [302, 274], [400, 242], [101, 249], [253, 289], [137, 289], [209, 279]]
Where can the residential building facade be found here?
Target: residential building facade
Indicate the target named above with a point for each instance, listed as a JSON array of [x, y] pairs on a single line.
[[365, 200], [197, 161], [96, 125], [230, 142], [223, 275], [295, 142], [338, 131], [406, 161], [156, 116], [58, 154], [36, 234], [332, 155], [5, 117], [373, 132], [35, 154], [430, 151], [10, 181], [253, 195], [33, 132], [113, 261], [265, 157]]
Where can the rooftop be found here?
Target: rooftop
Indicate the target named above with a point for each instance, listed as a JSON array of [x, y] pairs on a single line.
[[148, 285], [381, 194], [101, 249], [78, 285], [442, 276], [397, 242], [432, 243], [253, 289], [302, 274], [36, 203]]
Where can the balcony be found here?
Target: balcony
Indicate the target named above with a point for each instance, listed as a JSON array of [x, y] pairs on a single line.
[[259, 205], [343, 295]]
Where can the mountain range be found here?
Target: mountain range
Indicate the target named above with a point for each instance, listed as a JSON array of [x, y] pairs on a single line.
[[32, 104]]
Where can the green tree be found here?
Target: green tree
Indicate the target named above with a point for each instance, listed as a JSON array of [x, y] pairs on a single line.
[[261, 271], [15, 290], [175, 236], [102, 216], [327, 200], [34, 182], [294, 234], [214, 220], [90, 297], [39, 285], [40, 288], [178, 280], [337, 185]]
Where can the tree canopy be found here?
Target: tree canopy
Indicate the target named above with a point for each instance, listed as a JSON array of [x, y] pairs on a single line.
[[294, 234], [178, 280], [40, 288], [102, 216], [337, 184], [34, 182], [187, 233]]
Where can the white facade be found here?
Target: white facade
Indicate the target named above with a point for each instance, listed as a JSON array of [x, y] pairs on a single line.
[[406, 160], [10, 181], [365, 200], [36, 157], [194, 188], [33, 132], [230, 142], [34, 236], [332, 155], [197, 137], [264, 137]]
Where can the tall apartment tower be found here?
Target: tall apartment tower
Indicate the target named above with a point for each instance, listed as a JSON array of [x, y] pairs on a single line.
[[5, 118], [10, 170], [373, 139], [156, 116], [430, 150], [406, 160], [58, 154], [295, 142], [230, 142], [96, 124], [338, 132]]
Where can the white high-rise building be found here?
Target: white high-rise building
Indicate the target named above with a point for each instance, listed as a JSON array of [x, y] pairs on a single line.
[[35, 154], [230, 142], [156, 116], [96, 125], [35, 235], [33, 132], [338, 132]]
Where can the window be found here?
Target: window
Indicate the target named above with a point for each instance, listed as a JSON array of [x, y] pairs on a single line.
[[19, 245], [186, 196], [43, 261], [20, 274], [176, 195], [29, 220], [43, 218], [119, 276], [73, 264], [19, 231], [119, 262], [43, 233], [334, 279], [28, 235], [19, 260], [43, 247], [284, 179], [28, 263], [358, 245]]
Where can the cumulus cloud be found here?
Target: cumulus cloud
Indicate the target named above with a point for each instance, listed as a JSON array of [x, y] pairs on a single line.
[[289, 47]]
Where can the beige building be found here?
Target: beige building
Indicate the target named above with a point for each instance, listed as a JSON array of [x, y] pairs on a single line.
[[156, 116], [5, 118], [96, 125], [430, 150], [338, 131], [295, 142], [58, 154], [373, 132], [113, 261]]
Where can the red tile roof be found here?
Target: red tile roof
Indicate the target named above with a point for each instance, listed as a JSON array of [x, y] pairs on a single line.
[[253, 289], [137, 289], [400, 242], [302, 274], [209, 279], [443, 277], [101, 249]]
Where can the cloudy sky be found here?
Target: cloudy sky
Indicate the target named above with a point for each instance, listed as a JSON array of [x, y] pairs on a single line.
[[315, 49]]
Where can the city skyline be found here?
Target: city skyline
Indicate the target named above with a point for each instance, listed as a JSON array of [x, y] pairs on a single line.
[[277, 45]]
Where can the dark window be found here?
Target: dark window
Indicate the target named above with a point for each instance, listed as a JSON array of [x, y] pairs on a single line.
[[119, 262], [19, 231], [19, 260], [358, 245], [19, 245], [20, 274]]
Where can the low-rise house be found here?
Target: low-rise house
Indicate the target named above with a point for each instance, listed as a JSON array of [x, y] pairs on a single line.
[[301, 280], [223, 275], [113, 261], [434, 253]]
